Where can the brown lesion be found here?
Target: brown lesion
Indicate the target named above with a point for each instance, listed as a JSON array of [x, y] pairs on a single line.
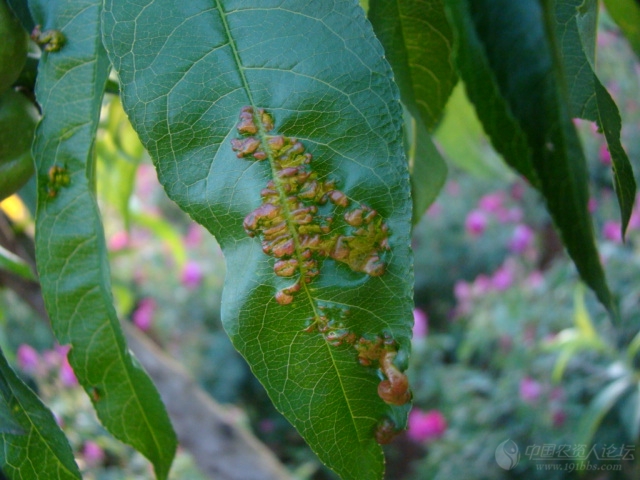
[[295, 228], [289, 221], [378, 352], [57, 177]]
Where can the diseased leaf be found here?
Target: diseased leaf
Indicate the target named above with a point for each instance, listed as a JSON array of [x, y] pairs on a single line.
[[277, 126], [507, 55], [70, 246], [417, 40], [576, 30], [31, 443]]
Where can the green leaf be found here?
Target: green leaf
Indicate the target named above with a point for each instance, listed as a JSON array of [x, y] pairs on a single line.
[[119, 154], [14, 264], [601, 404], [427, 167], [31, 443], [508, 57], [70, 245], [464, 142], [626, 13], [417, 40], [576, 22], [187, 69]]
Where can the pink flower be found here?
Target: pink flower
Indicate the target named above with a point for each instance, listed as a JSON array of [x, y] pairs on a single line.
[[521, 239], [191, 275], [611, 231], [558, 417], [517, 191], [453, 188], [118, 241], [476, 223], [462, 291], [535, 280], [481, 285], [194, 236], [502, 279], [491, 202], [511, 215], [434, 210], [67, 375], [604, 155], [420, 323], [143, 315], [426, 426], [93, 453], [592, 205], [530, 390], [28, 358]]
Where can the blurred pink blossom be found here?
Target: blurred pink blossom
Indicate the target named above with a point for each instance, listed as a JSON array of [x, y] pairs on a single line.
[[453, 188], [592, 205], [611, 231], [521, 239], [67, 375], [434, 210], [191, 274], [535, 280], [426, 426], [604, 155], [28, 358], [530, 390], [194, 235], [481, 285], [511, 215], [118, 241], [420, 323], [462, 291], [558, 417], [491, 202], [267, 425], [502, 278], [517, 191], [143, 315], [93, 453], [475, 223]]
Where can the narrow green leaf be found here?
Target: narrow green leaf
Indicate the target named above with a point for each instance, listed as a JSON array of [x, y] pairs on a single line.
[[601, 404], [31, 443], [164, 231], [576, 31], [417, 40], [70, 246], [119, 155], [508, 57], [427, 167], [463, 141], [187, 70], [626, 13], [14, 264]]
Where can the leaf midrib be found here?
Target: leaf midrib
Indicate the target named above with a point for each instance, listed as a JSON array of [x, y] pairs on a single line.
[[282, 195]]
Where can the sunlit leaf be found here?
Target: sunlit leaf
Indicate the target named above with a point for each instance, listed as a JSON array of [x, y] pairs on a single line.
[[70, 246]]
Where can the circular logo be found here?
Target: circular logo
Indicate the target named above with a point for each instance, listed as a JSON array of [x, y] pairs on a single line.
[[507, 454]]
